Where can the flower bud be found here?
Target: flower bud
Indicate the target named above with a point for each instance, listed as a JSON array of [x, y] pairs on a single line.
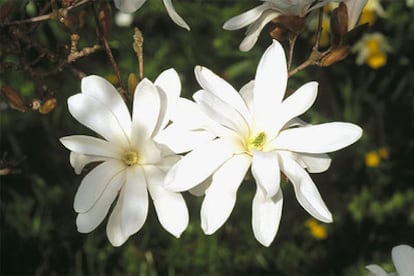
[[334, 56], [13, 98]]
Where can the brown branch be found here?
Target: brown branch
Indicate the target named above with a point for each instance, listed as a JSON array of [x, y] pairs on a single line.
[[139, 51]]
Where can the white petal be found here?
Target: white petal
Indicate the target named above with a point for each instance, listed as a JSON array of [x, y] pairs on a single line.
[[306, 192], [113, 227], [94, 183], [103, 91], [91, 146], [376, 270], [354, 8], [212, 83], [167, 162], [149, 152], [314, 162], [98, 117], [253, 31], [246, 18], [269, 86], [146, 110], [266, 172], [221, 195], [87, 222], [201, 188], [128, 6], [246, 92], [78, 160], [221, 112], [174, 15], [318, 138], [188, 114], [403, 258], [170, 206], [180, 140], [134, 208], [199, 164], [266, 214], [294, 105]]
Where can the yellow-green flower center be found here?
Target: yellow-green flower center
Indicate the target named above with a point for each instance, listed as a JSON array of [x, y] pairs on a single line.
[[130, 158], [257, 142]]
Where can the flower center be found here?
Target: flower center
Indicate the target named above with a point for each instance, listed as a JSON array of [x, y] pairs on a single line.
[[257, 142], [130, 158]]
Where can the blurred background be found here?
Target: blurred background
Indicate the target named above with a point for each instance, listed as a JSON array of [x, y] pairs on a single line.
[[369, 187]]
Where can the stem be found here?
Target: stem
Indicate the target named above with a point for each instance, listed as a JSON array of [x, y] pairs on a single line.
[[292, 42], [305, 64], [319, 30]]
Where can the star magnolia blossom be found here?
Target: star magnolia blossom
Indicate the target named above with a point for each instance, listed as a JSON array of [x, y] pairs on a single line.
[[258, 129], [132, 163], [130, 6], [403, 259], [258, 17]]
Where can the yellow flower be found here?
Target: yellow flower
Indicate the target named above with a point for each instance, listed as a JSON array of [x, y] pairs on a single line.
[[318, 231], [372, 159], [372, 49], [370, 12]]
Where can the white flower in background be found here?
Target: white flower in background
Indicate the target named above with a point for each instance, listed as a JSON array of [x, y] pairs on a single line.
[[132, 163], [258, 128], [257, 18], [130, 6], [372, 49], [403, 259], [410, 3], [123, 19]]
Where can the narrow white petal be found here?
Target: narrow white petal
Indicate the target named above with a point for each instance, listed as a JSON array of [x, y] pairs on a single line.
[[314, 162], [170, 206], [246, 18], [113, 227], [246, 92], [266, 172], [354, 8], [221, 112], [103, 91], [201, 188], [318, 138], [134, 209], [78, 160], [376, 270], [294, 105], [148, 151], [221, 194], [128, 6], [87, 222], [269, 86], [181, 140], [98, 117], [212, 83], [188, 114], [253, 31], [146, 110], [91, 146], [167, 162], [199, 164], [306, 192], [94, 183], [403, 259], [266, 214], [174, 15]]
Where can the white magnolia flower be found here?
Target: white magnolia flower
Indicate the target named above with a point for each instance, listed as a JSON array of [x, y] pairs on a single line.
[[130, 6], [403, 259], [258, 129], [256, 18], [132, 163], [354, 8]]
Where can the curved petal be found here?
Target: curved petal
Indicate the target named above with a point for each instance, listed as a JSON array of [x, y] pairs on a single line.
[[269, 87], [214, 84], [318, 138], [113, 227], [149, 152], [91, 146], [78, 160], [98, 117], [266, 172], [174, 15], [295, 105], [94, 183], [103, 91], [134, 208], [314, 162], [201, 188], [171, 209], [354, 8], [221, 195], [128, 6], [246, 18], [376, 270], [221, 112], [146, 110], [266, 214], [199, 164], [306, 192], [253, 31], [246, 92], [87, 222], [167, 162], [403, 259]]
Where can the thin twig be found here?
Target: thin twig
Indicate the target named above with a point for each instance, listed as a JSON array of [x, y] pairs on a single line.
[[319, 30], [292, 42]]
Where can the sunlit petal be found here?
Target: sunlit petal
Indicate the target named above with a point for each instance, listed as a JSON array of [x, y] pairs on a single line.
[[113, 227], [174, 15], [403, 259], [78, 160], [266, 172], [246, 18], [246, 92], [91, 146]]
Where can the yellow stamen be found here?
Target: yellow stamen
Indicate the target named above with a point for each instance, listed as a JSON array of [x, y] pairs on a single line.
[[257, 142], [130, 158]]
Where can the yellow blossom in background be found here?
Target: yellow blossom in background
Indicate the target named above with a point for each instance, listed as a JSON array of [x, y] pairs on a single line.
[[112, 79], [384, 153], [373, 158], [318, 231], [372, 49], [370, 12], [324, 40]]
